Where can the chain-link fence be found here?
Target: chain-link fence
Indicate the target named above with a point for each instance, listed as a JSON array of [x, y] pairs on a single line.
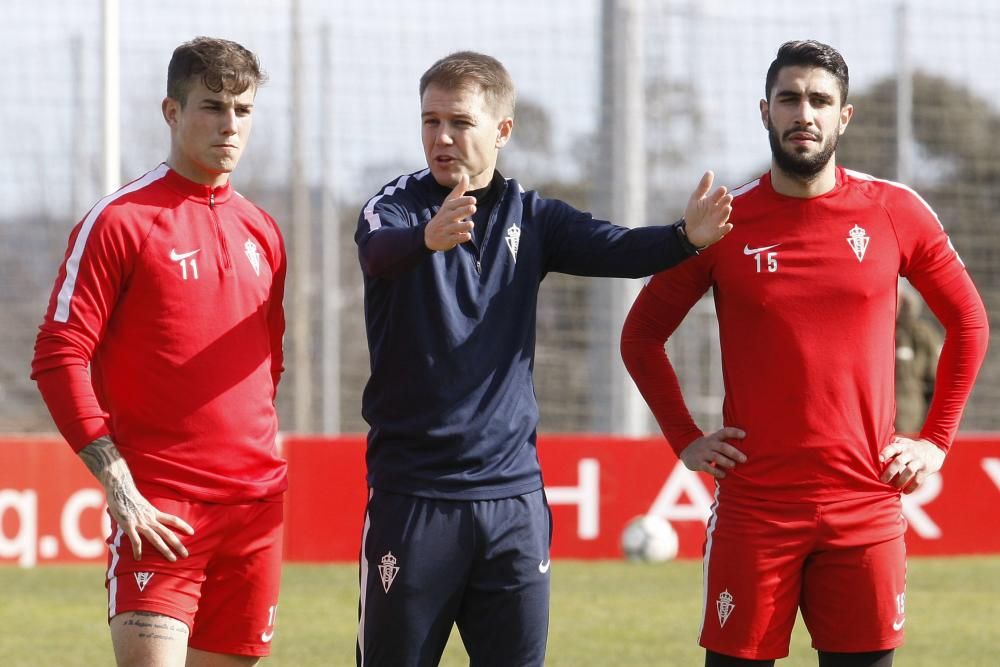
[[346, 100]]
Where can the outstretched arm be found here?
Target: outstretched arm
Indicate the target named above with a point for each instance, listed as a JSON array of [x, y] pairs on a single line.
[[578, 244]]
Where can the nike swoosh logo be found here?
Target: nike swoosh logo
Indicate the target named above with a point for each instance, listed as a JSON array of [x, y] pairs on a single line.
[[266, 636], [898, 625], [747, 250], [175, 257], [544, 566]]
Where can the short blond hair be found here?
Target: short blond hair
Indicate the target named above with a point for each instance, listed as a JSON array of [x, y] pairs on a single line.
[[468, 68]]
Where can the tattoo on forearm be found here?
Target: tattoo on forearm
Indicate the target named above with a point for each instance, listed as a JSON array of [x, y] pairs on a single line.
[[123, 492], [106, 463], [100, 454]]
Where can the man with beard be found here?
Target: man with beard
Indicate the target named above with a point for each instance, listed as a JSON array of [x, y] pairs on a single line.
[[808, 468]]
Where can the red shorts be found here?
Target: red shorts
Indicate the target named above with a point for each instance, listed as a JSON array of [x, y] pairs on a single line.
[[225, 591], [842, 563]]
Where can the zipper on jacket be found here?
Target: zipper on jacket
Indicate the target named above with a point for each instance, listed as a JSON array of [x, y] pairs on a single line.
[[489, 227], [227, 262]]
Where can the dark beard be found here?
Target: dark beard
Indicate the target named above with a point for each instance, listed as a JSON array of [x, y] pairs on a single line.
[[805, 168]]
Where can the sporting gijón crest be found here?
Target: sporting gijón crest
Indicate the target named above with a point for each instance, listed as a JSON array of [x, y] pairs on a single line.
[[858, 239], [724, 606], [142, 578], [388, 570], [513, 239]]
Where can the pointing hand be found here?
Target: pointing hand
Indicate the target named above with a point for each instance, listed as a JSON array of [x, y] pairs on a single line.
[[451, 225]]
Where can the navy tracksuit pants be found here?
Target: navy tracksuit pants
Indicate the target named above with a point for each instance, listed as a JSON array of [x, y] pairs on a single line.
[[428, 564]]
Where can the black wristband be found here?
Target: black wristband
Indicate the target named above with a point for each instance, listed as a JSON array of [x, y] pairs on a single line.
[[680, 229]]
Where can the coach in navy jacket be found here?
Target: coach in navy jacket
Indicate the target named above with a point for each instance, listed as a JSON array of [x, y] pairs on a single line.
[[457, 528]]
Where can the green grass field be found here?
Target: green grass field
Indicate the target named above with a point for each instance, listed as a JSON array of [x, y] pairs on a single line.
[[604, 614]]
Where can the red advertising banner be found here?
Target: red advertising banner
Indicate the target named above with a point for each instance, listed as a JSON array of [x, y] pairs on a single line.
[[52, 511], [325, 501], [595, 485]]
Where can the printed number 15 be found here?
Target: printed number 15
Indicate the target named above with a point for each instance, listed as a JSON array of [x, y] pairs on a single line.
[[772, 261]]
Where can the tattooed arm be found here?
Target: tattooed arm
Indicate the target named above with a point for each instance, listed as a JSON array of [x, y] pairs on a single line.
[[133, 513]]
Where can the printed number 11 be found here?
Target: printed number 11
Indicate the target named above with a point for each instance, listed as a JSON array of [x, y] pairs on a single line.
[[194, 268]]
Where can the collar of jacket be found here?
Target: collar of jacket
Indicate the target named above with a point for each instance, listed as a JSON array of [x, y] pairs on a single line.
[[204, 194]]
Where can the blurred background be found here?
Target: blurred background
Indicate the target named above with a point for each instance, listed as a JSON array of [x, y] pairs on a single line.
[[622, 105]]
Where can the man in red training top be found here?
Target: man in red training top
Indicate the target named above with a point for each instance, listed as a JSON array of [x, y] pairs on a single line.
[[171, 292], [808, 468]]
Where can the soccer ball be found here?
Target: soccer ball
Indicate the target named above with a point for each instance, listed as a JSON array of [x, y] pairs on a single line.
[[649, 538]]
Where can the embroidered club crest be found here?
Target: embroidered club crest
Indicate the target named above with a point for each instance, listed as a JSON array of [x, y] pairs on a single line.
[[724, 606], [142, 578], [513, 240], [251, 250], [388, 570], [858, 239]]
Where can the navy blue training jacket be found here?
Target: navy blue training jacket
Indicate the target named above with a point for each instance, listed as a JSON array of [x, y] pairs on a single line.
[[451, 335]]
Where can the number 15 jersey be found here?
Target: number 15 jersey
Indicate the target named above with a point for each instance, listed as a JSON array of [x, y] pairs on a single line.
[[806, 292]]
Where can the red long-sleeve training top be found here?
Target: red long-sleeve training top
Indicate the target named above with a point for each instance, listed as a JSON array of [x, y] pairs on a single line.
[[805, 292], [171, 292]]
